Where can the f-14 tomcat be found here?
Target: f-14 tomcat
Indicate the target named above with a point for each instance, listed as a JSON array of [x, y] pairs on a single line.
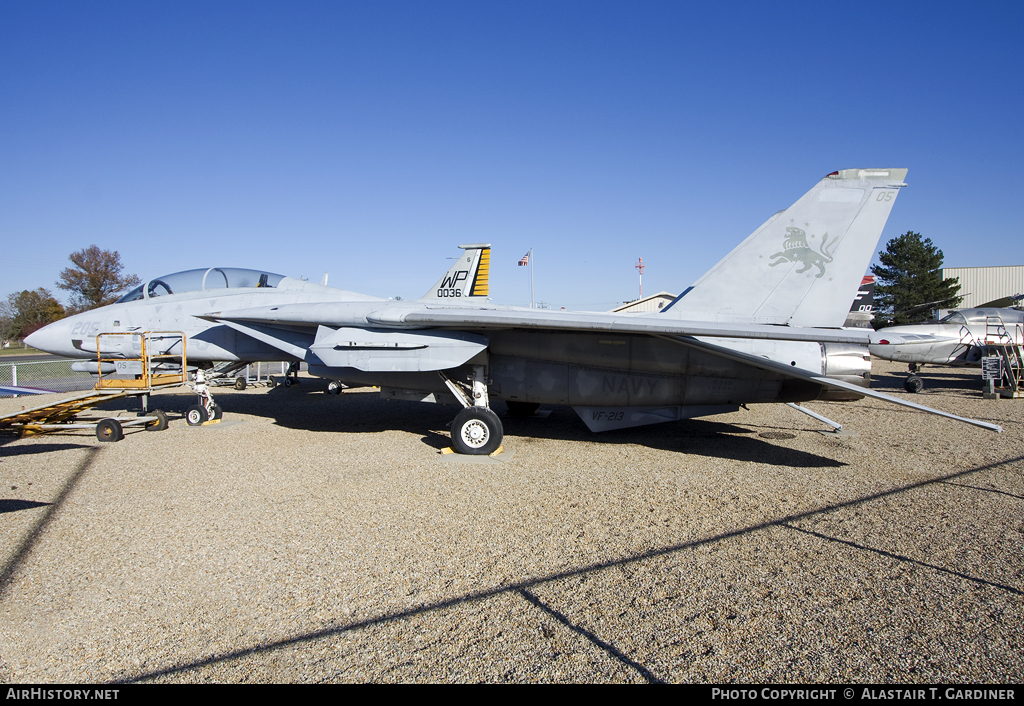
[[763, 325]]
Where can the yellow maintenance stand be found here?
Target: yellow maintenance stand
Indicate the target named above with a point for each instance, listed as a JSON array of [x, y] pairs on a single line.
[[143, 355]]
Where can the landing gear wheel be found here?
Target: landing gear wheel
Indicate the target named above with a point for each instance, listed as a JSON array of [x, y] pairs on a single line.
[[240, 383], [217, 411], [913, 384], [161, 420], [334, 387], [109, 430], [196, 415], [522, 409], [287, 382], [476, 431]]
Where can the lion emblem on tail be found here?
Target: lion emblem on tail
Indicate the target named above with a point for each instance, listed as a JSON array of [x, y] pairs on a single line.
[[796, 249]]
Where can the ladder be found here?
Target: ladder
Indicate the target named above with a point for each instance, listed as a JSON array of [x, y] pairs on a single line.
[[122, 375], [1002, 369]]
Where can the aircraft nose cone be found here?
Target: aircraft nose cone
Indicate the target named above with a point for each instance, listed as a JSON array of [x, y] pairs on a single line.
[[49, 338]]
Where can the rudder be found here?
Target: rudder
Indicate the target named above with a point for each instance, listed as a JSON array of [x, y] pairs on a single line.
[[468, 277], [803, 266]]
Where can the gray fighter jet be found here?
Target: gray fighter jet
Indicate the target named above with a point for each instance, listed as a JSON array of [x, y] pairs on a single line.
[[763, 325], [961, 338]]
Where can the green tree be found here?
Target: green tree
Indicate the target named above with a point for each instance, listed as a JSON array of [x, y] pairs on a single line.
[[95, 280], [27, 311], [909, 281]]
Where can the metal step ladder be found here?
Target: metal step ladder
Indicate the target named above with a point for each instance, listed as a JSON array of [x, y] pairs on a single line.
[[138, 369], [1002, 368]]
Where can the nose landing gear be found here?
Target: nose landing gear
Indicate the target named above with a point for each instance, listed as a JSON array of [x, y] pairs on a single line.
[[206, 409], [913, 383]]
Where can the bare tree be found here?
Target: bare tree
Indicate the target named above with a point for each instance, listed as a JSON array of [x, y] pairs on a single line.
[[96, 279]]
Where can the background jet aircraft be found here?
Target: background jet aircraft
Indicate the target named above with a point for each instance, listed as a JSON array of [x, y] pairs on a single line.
[[741, 334], [862, 311], [961, 338]]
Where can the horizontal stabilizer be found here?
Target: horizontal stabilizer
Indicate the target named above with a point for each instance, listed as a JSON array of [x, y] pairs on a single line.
[[810, 376]]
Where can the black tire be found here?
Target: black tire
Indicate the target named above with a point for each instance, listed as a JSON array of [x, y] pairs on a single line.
[[522, 409], [913, 384], [287, 382], [476, 431], [109, 430], [161, 420], [240, 383], [334, 387], [271, 381], [196, 415], [217, 411]]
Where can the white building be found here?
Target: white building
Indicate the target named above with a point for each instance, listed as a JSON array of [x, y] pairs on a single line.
[[981, 285], [655, 302]]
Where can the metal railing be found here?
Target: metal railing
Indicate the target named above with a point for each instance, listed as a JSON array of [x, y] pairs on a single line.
[[153, 348], [44, 376]]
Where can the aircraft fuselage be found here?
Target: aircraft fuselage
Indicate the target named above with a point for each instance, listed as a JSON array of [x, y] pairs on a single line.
[[961, 339], [546, 367]]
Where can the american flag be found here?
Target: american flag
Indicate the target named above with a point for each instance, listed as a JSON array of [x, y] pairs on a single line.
[[525, 260]]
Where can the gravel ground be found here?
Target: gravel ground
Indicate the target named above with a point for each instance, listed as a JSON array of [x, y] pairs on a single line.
[[315, 538]]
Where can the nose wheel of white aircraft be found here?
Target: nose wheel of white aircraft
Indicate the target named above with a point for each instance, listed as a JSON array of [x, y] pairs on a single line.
[[913, 384], [196, 415], [206, 408], [476, 431]]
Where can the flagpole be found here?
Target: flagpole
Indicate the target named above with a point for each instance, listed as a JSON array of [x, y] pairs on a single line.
[[531, 278]]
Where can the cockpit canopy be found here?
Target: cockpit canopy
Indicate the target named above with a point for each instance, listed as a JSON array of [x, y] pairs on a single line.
[[200, 280], [981, 316]]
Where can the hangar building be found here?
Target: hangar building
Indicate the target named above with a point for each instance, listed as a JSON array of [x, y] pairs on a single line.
[[981, 285]]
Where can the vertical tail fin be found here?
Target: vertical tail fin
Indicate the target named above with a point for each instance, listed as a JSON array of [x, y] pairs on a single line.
[[468, 277], [862, 310], [804, 265]]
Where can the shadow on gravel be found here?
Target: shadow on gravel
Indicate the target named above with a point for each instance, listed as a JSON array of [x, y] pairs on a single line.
[[905, 559], [522, 588], [934, 381], [25, 548], [311, 409], [985, 490], [6, 450], [10, 505]]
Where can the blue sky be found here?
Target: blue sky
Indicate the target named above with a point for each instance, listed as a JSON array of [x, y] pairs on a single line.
[[368, 139]]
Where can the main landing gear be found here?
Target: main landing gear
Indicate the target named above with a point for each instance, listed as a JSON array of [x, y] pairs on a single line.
[[476, 430]]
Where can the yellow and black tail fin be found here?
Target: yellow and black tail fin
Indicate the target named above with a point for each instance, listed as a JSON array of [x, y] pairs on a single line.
[[468, 277]]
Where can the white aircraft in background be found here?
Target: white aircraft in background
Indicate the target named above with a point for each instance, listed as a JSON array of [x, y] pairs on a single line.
[[962, 338]]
